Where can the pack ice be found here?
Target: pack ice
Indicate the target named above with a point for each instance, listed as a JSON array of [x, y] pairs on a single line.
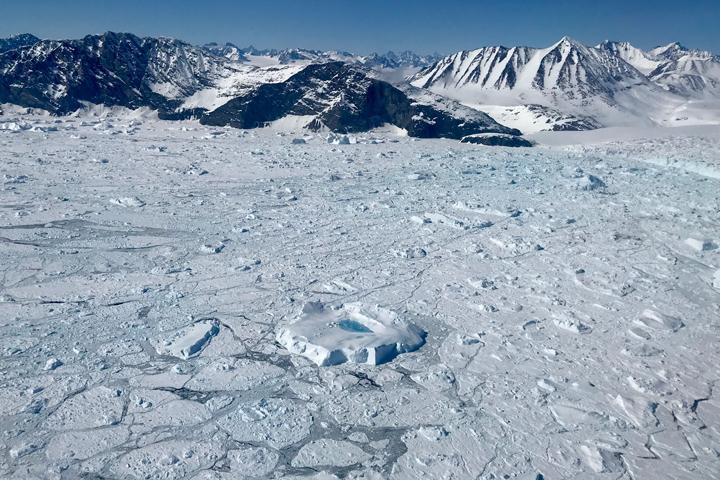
[[350, 333], [184, 302]]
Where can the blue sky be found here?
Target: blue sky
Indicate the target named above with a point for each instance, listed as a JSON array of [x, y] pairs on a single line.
[[373, 25]]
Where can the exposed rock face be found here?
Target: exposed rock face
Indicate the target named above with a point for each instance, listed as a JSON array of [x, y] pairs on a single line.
[[560, 122], [344, 98], [111, 69], [497, 139], [125, 70], [18, 41]]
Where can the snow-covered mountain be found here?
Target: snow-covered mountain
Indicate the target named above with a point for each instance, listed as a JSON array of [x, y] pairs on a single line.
[[17, 41], [567, 69], [686, 72], [266, 57], [567, 86], [390, 60], [567, 76], [613, 83], [638, 58], [181, 80], [112, 68], [343, 98]]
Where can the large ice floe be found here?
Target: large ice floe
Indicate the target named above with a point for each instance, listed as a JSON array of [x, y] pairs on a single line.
[[350, 333]]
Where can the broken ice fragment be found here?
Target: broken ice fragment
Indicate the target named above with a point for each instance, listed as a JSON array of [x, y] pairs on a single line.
[[590, 182], [189, 341], [52, 364], [128, 202], [698, 245], [212, 249], [659, 321]]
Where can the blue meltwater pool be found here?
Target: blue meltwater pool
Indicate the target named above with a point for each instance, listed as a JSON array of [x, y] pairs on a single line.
[[353, 326]]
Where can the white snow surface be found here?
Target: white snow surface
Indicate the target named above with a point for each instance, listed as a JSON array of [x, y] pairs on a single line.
[[571, 332]]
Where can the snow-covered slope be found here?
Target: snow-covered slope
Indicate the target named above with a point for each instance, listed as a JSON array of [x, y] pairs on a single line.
[[638, 58], [534, 118], [567, 69], [181, 81], [613, 83], [568, 76], [689, 73]]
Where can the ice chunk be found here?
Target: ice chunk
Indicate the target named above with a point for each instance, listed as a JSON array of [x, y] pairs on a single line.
[[659, 321], [52, 364], [698, 245], [189, 341], [590, 182], [128, 202], [210, 249], [354, 333]]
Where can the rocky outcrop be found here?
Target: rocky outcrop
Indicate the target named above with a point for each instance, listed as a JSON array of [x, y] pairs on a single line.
[[497, 140], [343, 98]]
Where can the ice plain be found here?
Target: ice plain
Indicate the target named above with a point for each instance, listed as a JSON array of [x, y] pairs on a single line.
[[147, 267]]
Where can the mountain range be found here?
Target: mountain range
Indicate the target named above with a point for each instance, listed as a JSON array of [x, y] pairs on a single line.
[[610, 84], [265, 57], [566, 86]]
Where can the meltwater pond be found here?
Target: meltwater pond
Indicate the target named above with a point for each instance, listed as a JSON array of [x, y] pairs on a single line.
[[353, 326]]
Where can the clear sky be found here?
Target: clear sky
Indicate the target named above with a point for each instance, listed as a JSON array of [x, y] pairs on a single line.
[[363, 26]]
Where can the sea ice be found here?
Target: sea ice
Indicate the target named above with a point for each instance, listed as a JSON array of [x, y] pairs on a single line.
[[589, 358]]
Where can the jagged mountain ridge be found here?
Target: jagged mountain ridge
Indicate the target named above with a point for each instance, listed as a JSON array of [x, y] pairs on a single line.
[[686, 72], [164, 74], [613, 82], [388, 60], [568, 86], [578, 71], [567, 76], [17, 41], [112, 69]]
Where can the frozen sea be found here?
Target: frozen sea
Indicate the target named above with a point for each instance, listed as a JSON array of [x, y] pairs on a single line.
[[559, 306]]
